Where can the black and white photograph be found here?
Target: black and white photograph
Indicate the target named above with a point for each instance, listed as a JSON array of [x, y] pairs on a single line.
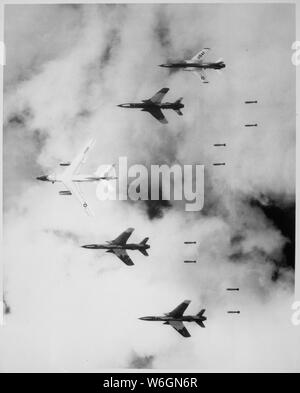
[[149, 187]]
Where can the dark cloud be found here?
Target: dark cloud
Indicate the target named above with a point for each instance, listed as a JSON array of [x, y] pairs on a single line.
[[156, 209], [141, 362], [19, 119], [162, 30], [283, 217], [85, 113], [20, 165], [113, 42], [40, 32]]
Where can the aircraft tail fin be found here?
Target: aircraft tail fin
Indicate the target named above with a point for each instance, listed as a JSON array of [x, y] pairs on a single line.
[[179, 100], [145, 241]]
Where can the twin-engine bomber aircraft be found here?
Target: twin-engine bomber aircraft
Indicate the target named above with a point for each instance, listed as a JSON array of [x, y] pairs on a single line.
[[70, 177], [120, 245], [196, 65], [154, 105], [176, 318]]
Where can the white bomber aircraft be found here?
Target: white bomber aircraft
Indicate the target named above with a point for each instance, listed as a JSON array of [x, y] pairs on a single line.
[[196, 65], [70, 178]]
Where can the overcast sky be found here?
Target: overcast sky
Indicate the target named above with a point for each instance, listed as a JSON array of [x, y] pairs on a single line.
[[76, 310]]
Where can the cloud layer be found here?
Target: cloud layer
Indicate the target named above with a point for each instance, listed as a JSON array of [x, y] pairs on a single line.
[[74, 310]]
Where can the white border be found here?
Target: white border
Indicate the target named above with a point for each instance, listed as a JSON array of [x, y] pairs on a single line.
[[1, 170], [297, 37]]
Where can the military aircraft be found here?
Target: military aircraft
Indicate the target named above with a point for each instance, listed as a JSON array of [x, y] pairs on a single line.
[[120, 245], [154, 105], [197, 65], [176, 318], [70, 177]]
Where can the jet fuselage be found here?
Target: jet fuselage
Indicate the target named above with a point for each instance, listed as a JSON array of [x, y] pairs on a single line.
[[149, 105], [75, 178], [132, 246], [193, 65], [166, 318]]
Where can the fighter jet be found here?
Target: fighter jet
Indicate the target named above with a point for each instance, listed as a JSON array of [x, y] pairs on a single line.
[[154, 105], [196, 65], [176, 318], [70, 177], [120, 245]]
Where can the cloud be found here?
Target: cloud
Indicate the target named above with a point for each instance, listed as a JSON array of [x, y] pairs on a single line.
[[139, 362], [78, 310]]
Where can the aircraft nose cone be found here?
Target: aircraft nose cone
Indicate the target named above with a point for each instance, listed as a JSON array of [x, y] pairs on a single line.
[[125, 105], [90, 246]]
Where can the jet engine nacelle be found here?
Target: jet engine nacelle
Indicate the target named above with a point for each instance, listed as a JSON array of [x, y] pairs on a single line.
[[65, 193], [65, 164]]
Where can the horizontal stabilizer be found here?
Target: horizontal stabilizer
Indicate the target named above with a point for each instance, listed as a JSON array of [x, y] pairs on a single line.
[[201, 313], [145, 241], [178, 111], [200, 323], [144, 252]]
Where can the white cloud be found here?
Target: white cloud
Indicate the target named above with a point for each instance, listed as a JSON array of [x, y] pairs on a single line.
[[74, 310]]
